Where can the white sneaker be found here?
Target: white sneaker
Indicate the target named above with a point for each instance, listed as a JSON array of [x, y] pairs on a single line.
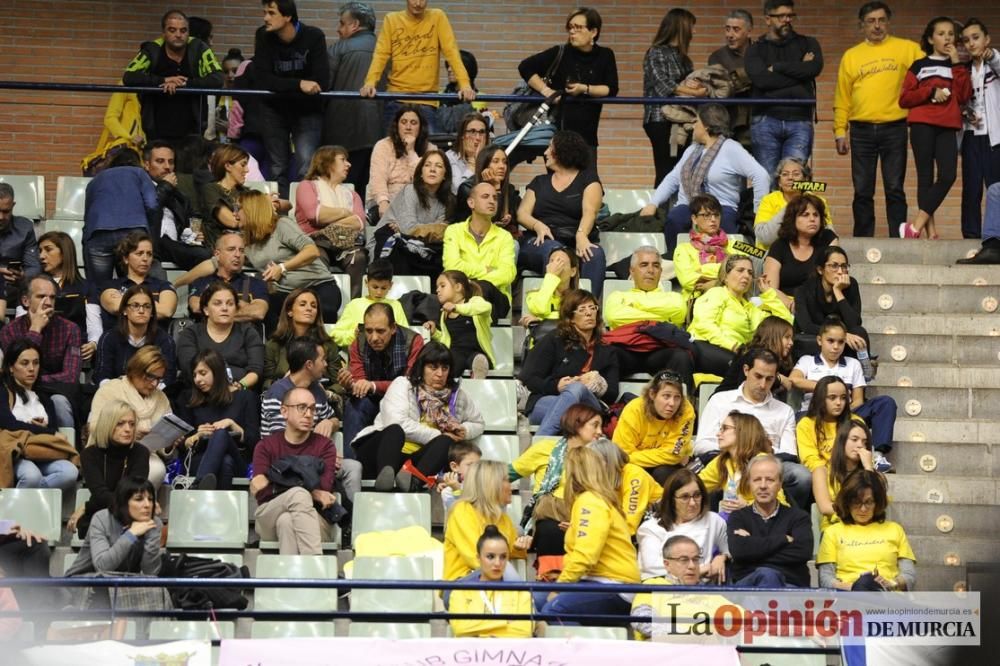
[[480, 366], [881, 464]]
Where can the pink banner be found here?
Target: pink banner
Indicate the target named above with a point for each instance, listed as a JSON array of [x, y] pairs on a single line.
[[465, 651]]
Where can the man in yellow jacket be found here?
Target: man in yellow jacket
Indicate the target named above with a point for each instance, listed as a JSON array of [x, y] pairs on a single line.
[[414, 40], [867, 98], [647, 301], [483, 250]]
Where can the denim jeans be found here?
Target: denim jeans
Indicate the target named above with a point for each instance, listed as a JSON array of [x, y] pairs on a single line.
[[534, 258], [871, 142], [991, 219], [223, 459], [359, 413], [679, 222], [569, 603], [980, 165], [99, 253], [548, 411], [305, 130], [61, 474], [879, 412], [796, 481], [763, 577], [775, 139]]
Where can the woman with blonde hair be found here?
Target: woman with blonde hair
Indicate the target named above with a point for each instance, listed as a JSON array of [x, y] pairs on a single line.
[[327, 210], [112, 455], [636, 489], [485, 496], [598, 540]]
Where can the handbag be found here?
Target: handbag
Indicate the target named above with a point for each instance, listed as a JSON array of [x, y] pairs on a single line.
[[99, 160], [518, 114], [342, 236]]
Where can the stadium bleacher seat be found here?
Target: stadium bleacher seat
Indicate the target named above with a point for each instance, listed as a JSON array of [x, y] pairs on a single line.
[[265, 186], [532, 283], [402, 284], [600, 633], [73, 229], [29, 195], [620, 244], [71, 197], [705, 392], [190, 630], [497, 402], [296, 598], [392, 568], [503, 351], [504, 448], [36, 509], [631, 387], [390, 630], [515, 509], [375, 512], [208, 519], [343, 281], [626, 201], [67, 562], [271, 629]]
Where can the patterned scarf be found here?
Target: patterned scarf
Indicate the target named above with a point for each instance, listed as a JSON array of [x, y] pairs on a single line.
[[389, 364], [436, 409], [695, 169], [550, 481], [711, 249]]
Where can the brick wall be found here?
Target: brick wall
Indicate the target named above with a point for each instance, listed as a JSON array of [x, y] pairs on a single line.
[[92, 40]]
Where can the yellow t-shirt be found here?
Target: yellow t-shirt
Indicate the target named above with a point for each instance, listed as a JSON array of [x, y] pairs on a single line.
[[464, 527], [811, 453], [654, 442], [638, 491], [494, 602], [534, 461], [711, 475], [598, 543], [858, 549]]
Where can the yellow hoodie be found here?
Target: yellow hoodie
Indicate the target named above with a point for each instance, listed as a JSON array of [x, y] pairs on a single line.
[[598, 543], [653, 442], [638, 491], [464, 527]]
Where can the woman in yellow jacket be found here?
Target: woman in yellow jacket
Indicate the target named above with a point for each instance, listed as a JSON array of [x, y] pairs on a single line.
[[492, 553], [562, 274], [655, 430], [122, 126], [465, 324], [725, 319], [636, 489], [598, 541], [741, 438], [697, 262], [485, 496], [545, 461]]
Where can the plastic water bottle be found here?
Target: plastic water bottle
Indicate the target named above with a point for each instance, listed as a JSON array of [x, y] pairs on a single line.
[[729, 494], [866, 364]]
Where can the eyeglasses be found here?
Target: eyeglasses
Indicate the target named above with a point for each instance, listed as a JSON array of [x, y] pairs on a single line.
[[153, 379], [585, 309], [725, 426], [477, 132], [705, 215], [687, 499], [838, 266], [789, 16], [863, 504], [684, 561], [141, 307], [303, 408], [576, 27]]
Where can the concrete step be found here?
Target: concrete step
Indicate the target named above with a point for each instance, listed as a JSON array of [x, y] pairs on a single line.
[[936, 375], [920, 274], [939, 578], [932, 324], [957, 430], [934, 549], [941, 347], [899, 251], [944, 490], [944, 459], [966, 520], [927, 299], [942, 403]]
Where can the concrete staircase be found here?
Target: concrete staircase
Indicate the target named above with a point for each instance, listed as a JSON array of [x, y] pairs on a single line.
[[936, 329]]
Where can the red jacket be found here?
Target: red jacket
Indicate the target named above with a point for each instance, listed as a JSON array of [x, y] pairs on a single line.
[[922, 79]]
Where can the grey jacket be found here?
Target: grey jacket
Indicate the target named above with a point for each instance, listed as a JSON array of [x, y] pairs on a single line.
[[109, 547], [351, 123]]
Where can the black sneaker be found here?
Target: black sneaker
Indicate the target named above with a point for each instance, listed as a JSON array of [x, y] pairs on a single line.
[[207, 482], [385, 482]]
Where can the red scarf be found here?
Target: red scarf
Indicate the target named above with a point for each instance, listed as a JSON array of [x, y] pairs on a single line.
[[711, 249]]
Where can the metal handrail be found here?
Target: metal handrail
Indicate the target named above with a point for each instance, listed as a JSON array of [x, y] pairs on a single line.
[[427, 97]]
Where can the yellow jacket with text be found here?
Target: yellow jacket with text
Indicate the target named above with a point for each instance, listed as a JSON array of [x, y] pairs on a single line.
[[598, 543], [653, 442], [638, 491]]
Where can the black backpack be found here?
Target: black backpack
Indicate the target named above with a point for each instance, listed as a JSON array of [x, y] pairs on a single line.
[[182, 565]]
